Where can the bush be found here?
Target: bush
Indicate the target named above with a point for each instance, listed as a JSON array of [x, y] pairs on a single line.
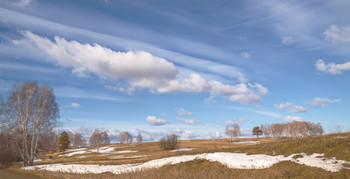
[[169, 142]]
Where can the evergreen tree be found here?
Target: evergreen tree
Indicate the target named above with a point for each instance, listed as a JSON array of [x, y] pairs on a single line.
[[257, 131], [63, 141]]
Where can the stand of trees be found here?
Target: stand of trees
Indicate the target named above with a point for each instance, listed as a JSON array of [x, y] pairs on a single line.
[[125, 137], [293, 129], [99, 138], [29, 113]]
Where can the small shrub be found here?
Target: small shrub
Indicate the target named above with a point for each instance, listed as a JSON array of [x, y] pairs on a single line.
[[169, 142]]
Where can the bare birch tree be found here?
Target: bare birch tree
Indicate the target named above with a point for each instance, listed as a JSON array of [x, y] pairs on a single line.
[[104, 138], [139, 138], [30, 112], [78, 140], [232, 131], [125, 137], [95, 139]]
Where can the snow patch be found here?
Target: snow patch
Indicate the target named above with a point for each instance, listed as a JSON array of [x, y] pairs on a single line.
[[72, 153], [317, 160], [103, 150], [231, 160], [74, 150], [182, 149]]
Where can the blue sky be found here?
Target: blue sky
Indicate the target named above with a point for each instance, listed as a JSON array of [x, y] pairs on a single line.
[[185, 67]]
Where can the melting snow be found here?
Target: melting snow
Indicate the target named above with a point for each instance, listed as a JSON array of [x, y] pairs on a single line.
[[182, 149], [317, 160], [231, 160], [103, 150], [72, 153]]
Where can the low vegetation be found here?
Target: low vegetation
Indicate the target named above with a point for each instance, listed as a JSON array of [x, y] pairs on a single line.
[[334, 145]]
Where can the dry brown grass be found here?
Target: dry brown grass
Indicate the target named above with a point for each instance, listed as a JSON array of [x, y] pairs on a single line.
[[335, 145]]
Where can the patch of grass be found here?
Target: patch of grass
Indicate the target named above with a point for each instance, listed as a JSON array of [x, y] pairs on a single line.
[[297, 156]]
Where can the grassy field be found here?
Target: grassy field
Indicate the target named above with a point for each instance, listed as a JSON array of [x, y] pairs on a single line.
[[334, 145]]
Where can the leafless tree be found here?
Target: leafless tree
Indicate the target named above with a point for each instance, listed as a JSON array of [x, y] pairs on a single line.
[[104, 138], [78, 140], [30, 112], [232, 130], [319, 129], [139, 138], [125, 137], [294, 129], [169, 142], [266, 128], [95, 139]]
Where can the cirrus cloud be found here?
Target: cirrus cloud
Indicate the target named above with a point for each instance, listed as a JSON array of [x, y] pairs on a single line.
[[322, 102], [291, 107]]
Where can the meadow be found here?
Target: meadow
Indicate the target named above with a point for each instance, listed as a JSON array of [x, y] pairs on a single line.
[[332, 148]]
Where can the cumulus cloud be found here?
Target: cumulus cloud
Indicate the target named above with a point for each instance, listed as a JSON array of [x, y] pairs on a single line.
[[189, 121], [104, 62], [337, 34], [155, 121], [245, 55], [75, 105], [321, 102], [212, 135], [287, 40], [141, 69], [293, 118], [332, 68], [291, 107], [183, 112]]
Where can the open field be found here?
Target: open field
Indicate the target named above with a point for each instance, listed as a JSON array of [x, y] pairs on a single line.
[[292, 158]]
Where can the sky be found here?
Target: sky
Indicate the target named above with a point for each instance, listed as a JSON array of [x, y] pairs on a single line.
[[183, 67]]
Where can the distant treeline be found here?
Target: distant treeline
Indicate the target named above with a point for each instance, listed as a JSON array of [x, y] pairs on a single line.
[[292, 130]]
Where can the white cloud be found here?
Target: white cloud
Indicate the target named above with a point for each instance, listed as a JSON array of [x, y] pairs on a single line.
[[337, 34], [291, 107], [266, 113], [141, 69], [189, 121], [293, 118], [212, 135], [245, 55], [321, 102], [23, 3], [233, 121], [287, 40], [156, 122], [75, 105], [332, 68], [183, 112], [104, 62]]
